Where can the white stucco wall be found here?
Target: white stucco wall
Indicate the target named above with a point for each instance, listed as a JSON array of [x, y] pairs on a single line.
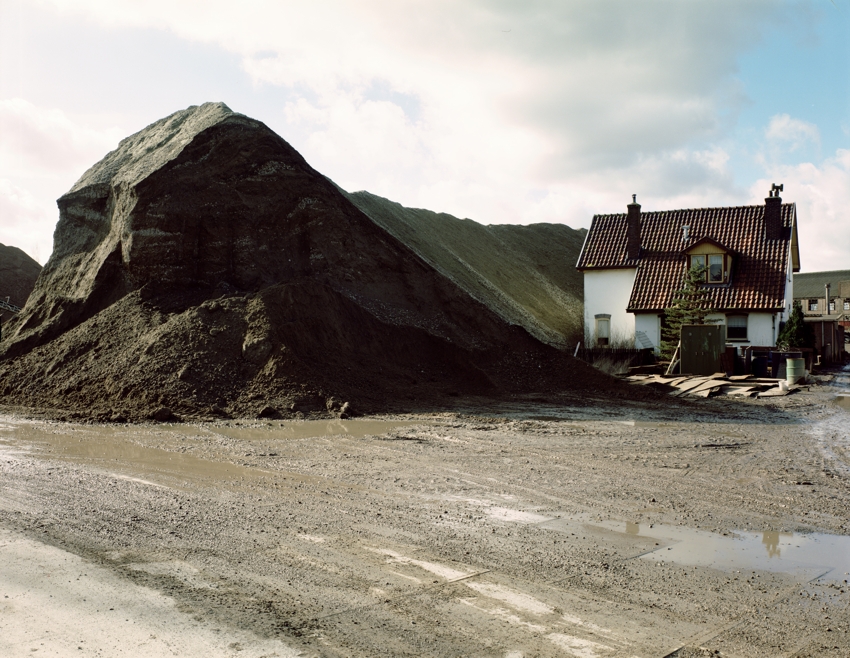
[[762, 328], [649, 324], [789, 289], [608, 291]]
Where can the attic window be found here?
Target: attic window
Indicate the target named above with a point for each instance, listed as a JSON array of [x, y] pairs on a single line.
[[715, 266], [813, 304]]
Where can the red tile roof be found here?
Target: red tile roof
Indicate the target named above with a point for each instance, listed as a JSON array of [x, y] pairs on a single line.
[[757, 280]]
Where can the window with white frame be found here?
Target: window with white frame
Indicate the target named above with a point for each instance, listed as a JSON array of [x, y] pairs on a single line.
[[813, 304], [832, 306], [736, 327], [847, 304]]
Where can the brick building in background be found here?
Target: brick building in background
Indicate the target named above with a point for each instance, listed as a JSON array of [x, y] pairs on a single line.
[[825, 298]]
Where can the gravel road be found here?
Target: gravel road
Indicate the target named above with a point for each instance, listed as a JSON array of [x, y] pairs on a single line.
[[582, 528]]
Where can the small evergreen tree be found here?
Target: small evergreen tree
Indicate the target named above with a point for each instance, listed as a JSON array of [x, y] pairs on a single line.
[[689, 305], [796, 333]]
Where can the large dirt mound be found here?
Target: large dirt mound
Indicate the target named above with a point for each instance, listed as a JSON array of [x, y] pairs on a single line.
[[205, 267], [18, 273], [526, 274]]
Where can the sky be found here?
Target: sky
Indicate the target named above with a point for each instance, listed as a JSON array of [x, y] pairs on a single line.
[[496, 110]]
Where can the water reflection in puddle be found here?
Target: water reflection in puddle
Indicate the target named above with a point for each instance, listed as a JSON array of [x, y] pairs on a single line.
[[162, 454], [308, 429], [786, 552], [130, 460]]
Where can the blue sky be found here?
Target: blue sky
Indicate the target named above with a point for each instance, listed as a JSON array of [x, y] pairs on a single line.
[[499, 111]]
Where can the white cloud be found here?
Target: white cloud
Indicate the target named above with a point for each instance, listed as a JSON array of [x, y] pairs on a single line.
[[42, 152], [792, 133], [510, 97], [46, 139], [25, 220], [495, 110], [822, 195]]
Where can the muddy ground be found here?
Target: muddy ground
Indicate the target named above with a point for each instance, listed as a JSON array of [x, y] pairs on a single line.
[[712, 527]]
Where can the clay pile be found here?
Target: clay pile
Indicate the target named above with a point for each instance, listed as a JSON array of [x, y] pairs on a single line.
[[18, 273], [204, 268], [523, 273]]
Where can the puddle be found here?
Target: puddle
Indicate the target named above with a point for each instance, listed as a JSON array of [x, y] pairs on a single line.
[[515, 516], [311, 429], [810, 554], [113, 450], [125, 452], [843, 400]]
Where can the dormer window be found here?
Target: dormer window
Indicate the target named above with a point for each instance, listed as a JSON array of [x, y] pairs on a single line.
[[716, 268], [711, 257], [715, 265]]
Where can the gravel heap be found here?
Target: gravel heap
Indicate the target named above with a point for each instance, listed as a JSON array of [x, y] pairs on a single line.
[[203, 268], [523, 273], [18, 273]]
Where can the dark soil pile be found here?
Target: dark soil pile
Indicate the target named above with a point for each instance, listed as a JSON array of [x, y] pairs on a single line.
[[18, 273], [204, 268], [526, 274]]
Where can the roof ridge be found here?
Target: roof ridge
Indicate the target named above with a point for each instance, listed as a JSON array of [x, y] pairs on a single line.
[[655, 212], [821, 272]]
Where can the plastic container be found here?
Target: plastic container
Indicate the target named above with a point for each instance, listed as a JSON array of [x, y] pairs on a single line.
[[795, 370]]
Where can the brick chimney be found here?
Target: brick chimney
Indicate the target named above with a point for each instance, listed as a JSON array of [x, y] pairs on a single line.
[[773, 228], [633, 230]]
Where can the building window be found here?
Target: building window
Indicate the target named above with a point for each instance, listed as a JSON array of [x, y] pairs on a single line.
[[715, 268], [697, 262], [736, 327], [813, 304], [847, 304], [603, 329], [832, 306]]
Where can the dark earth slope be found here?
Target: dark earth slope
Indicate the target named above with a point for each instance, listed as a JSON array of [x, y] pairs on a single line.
[[18, 273], [526, 274], [204, 267]]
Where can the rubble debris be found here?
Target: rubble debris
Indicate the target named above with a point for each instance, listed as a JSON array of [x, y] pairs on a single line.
[[717, 384]]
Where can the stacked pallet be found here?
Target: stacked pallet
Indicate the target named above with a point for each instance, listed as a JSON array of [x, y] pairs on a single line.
[[716, 384]]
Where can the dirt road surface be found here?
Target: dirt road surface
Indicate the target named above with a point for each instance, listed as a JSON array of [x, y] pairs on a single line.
[[713, 527]]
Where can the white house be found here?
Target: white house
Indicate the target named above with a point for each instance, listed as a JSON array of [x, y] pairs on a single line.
[[634, 262]]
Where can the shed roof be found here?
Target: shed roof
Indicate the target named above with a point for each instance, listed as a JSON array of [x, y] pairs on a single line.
[[811, 284]]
